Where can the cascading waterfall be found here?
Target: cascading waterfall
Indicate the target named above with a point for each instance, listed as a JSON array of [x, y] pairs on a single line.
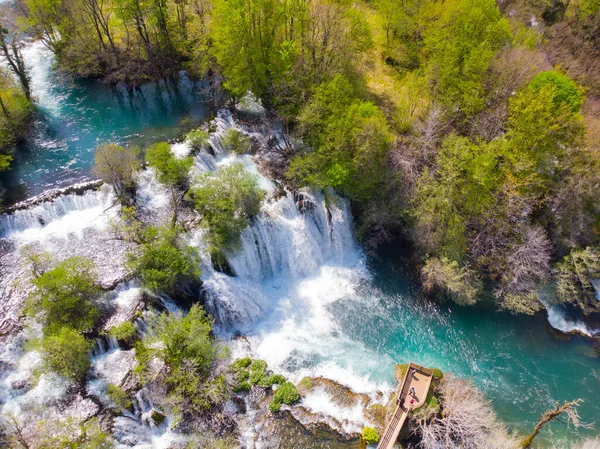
[[300, 293]]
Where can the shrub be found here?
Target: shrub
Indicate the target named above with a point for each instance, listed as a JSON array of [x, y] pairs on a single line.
[[258, 373], [274, 406], [236, 141], [243, 386], [66, 353], [170, 170], [66, 296], [198, 138], [165, 261], [120, 397], [286, 393], [226, 199], [437, 374], [242, 363], [369, 435], [117, 165], [186, 345], [124, 332], [277, 379]]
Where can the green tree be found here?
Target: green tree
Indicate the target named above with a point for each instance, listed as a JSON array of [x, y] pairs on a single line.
[[225, 200], [460, 38], [66, 296], [575, 275], [349, 141], [186, 345], [236, 141], [117, 166], [66, 353], [544, 124], [460, 283], [170, 171], [164, 260]]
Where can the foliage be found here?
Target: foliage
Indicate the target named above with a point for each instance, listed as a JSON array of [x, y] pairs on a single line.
[[43, 433], [467, 420], [349, 139], [286, 393], [236, 141], [198, 138], [170, 170], [125, 332], [460, 283], [226, 200], [186, 345], [575, 275], [164, 260], [460, 38], [117, 166], [15, 110], [370, 435], [66, 353], [66, 296], [121, 398], [565, 91]]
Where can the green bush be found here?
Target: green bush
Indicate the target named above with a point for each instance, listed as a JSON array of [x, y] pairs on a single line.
[[66, 353], [120, 397], [370, 436], [124, 332], [226, 199], [198, 138], [274, 406], [277, 379], [242, 363], [236, 141], [258, 373], [66, 296], [170, 170], [165, 261], [186, 345], [243, 386], [437, 374], [286, 393]]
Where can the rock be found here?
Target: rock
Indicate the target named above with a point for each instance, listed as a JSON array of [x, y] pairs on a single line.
[[157, 418], [400, 371], [342, 395]]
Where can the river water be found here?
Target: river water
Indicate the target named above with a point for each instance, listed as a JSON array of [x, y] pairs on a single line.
[[74, 115], [306, 297]]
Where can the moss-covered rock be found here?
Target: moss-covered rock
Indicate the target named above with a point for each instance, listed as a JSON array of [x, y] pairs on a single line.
[[400, 371], [341, 395], [375, 414]]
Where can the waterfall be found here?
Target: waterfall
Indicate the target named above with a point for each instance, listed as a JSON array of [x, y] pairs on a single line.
[[64, 215]]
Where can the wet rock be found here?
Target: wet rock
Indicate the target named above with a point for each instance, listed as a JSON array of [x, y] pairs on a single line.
[[342, 395]]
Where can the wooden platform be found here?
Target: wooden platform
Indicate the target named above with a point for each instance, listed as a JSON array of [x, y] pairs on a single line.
[[419, 378]]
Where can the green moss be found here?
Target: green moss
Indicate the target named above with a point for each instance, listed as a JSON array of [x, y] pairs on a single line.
[[286, 393], [274, 406], [242, 363], [243, 386], [370, 435], [305, 385]]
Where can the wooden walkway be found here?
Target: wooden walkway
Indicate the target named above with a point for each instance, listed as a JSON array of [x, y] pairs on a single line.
[[416, 376]]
